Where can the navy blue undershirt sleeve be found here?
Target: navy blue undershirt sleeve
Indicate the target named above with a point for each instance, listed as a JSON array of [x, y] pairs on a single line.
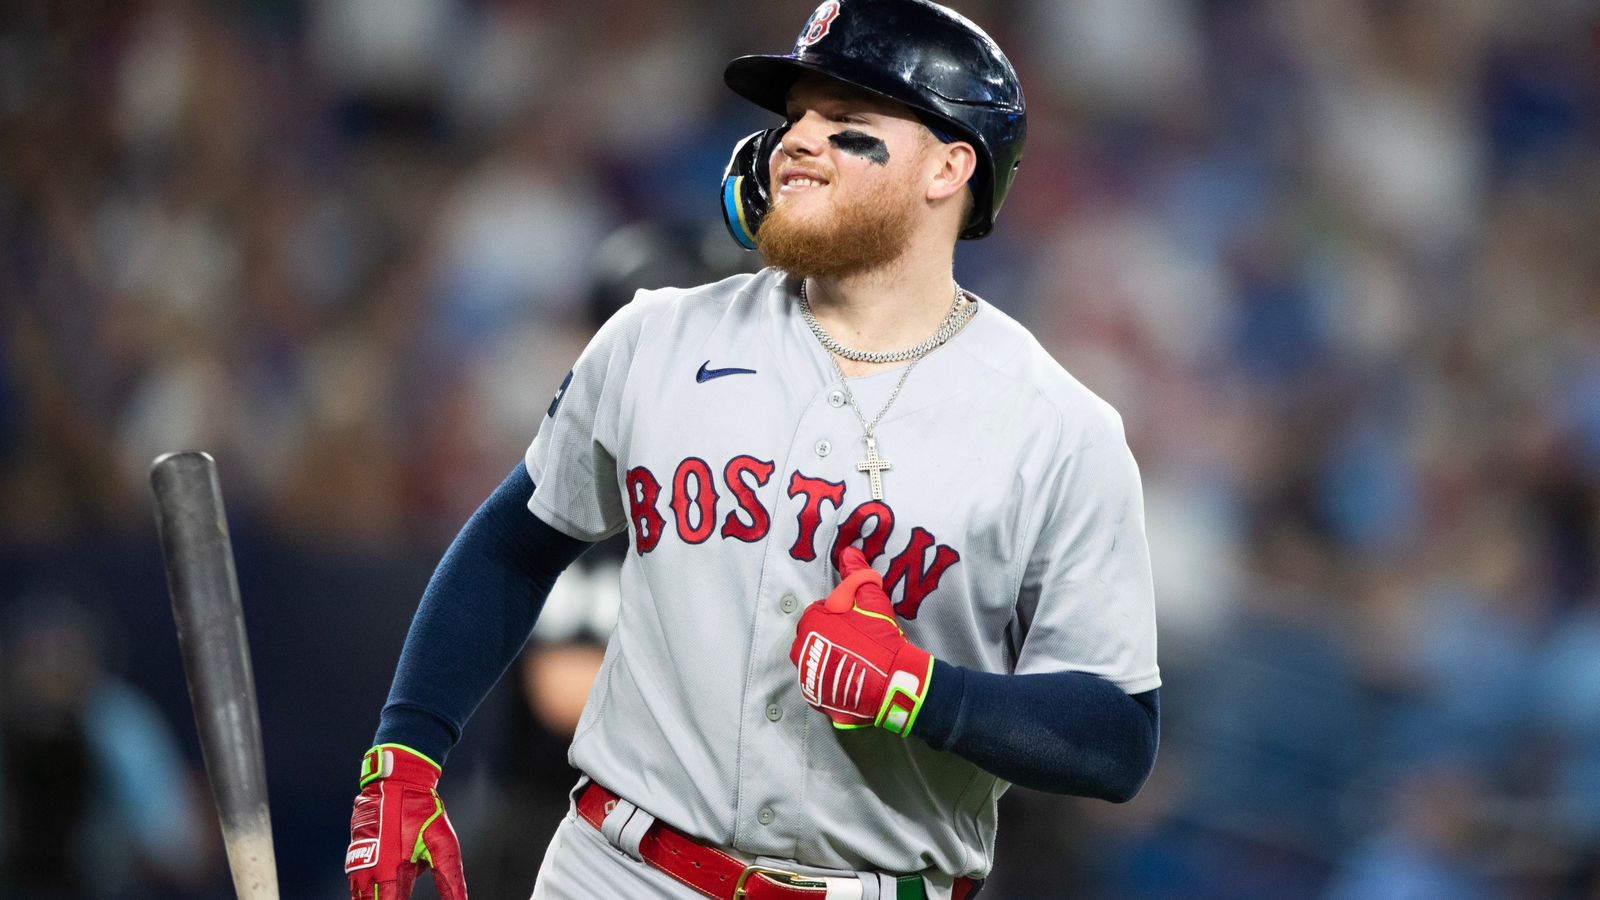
[[474, 617], [1062, 732]]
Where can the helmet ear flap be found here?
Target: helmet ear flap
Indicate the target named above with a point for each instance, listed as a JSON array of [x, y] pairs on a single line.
[[747, 185]]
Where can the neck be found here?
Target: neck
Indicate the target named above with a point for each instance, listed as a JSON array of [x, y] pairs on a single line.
[[888, 308]]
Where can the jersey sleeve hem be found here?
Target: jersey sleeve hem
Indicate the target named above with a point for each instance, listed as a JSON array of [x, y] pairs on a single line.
[[562, 524], [1138, 685], [541, 508]]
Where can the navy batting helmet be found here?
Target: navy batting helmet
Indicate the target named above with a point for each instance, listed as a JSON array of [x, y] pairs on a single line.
[[944, 67]]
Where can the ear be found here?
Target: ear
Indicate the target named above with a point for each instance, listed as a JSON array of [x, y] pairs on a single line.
[[952, 166]]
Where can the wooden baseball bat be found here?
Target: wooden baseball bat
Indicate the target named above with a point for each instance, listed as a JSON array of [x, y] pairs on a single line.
[[216, 659]]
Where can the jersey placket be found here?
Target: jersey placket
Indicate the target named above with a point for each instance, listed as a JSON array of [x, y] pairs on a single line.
[[813, 493]]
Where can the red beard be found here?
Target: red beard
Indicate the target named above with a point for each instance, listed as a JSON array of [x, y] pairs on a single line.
[[863, 231]]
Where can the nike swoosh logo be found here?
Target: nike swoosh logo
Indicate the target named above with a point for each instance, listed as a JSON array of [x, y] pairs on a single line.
[[707, 373]]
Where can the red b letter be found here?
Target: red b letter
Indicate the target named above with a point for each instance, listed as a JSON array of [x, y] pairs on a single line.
[[643, 489]]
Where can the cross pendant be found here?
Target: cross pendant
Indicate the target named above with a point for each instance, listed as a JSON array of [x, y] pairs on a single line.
[[874, 465]]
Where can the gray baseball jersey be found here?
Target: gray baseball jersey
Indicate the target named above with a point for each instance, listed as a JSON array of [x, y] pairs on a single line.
[[712, 423]]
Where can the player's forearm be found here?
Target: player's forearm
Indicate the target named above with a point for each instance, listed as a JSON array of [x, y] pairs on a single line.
[[474, 618], [1062, 732]]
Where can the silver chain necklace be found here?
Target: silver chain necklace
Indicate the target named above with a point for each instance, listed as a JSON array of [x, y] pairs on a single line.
[[874, 465], [954, 321]]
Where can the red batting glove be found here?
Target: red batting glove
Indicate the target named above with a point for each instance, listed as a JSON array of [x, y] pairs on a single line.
[[399, 823], [855, 663]]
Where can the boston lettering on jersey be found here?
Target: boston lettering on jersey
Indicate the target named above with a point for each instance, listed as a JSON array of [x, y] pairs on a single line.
[[911, 575]]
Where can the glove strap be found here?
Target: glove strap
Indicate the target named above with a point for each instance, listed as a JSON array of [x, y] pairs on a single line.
[[386, 760], [903, 699]]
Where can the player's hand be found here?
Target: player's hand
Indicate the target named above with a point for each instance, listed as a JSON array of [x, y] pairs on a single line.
[[398, 825], [855, 663]]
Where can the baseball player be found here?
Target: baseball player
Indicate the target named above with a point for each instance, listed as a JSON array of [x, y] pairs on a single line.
[[886, 556]]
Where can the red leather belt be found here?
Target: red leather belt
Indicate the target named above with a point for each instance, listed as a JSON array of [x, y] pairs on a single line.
[[713, 872]]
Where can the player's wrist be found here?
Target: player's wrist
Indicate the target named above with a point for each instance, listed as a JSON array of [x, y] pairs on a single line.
[[910, 676], [399, 762], [417, 728], [942, 705]]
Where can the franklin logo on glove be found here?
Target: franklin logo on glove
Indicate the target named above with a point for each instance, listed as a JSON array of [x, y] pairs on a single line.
[[813, 669], [361, 855], [856, 666]]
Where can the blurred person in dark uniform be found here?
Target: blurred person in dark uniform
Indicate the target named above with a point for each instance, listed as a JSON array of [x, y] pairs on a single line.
[[95, 799]]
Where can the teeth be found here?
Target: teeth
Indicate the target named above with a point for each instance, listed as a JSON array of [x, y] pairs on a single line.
[[802, 181]]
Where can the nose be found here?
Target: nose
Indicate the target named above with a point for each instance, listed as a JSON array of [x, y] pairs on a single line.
[[806, 136]]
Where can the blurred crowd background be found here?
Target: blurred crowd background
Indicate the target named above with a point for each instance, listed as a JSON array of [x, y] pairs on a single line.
[[1337, 264]]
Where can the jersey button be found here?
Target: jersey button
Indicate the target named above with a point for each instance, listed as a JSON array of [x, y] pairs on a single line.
[[766, 816], [789, 603], [824, 448], [836, 399], [774, 712]]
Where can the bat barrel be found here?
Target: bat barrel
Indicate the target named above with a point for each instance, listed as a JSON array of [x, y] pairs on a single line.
[[216, 660]]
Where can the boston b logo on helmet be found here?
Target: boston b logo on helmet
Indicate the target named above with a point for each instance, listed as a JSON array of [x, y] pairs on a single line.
[[945, 68], [817, 26]]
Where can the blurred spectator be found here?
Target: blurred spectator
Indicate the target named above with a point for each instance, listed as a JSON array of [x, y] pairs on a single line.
[[1280, 730], [1429, 849], [96, 800]]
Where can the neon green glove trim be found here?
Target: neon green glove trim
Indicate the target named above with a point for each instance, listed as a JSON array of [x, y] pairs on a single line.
[[890, 619], [414, 752], [843, 727], [420, 851], [916, 703], [927, 682], [371, 768]]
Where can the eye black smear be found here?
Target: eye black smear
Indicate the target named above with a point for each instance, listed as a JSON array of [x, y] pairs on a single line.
[[864, 145]]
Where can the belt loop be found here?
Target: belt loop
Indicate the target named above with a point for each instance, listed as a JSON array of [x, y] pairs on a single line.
[[619, 816], [632, 833], [876, 886], [845, 888], [577, 791], [910, 887]]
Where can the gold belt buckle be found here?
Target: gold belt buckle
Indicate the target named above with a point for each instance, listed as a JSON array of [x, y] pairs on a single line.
[[741, 889]]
